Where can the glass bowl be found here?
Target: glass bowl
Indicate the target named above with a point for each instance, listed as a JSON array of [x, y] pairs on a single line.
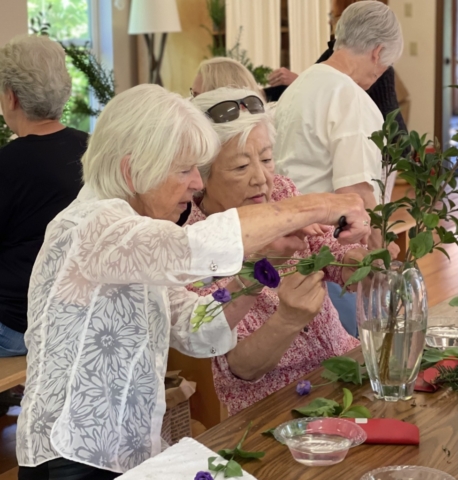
[[442, 332], [406, 472], [319, 441]]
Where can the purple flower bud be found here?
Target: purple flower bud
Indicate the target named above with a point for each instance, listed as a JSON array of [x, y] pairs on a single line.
[[203, 476], [265, 273], [222, 295], [304, 387]]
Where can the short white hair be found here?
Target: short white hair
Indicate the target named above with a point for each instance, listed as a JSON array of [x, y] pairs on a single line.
[[33, 68], [368, 24], [241, 127], [153, 127]]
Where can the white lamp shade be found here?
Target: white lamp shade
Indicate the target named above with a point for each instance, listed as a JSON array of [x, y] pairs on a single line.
[[153, 16]]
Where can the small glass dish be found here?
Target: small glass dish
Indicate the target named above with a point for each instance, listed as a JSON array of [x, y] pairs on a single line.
[[406, 472], [442, 332], [318, 441]]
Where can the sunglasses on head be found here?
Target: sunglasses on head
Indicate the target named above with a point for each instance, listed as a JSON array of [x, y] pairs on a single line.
[[229, 110]]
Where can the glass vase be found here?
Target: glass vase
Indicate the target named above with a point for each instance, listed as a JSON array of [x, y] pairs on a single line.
[[392, 313]]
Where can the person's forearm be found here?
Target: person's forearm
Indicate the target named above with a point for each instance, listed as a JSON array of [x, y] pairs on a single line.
[[261, 352], [261, 224]]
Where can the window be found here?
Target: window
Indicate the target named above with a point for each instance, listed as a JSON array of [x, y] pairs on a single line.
[[70, 22]]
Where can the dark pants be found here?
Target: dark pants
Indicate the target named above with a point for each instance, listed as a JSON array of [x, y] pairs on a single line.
[[62, 469]]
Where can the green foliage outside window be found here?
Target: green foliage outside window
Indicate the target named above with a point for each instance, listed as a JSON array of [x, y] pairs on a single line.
[[67, 21]]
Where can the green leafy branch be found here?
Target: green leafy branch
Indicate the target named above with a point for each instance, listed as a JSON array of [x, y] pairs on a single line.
[[324, 407], [232, 468]]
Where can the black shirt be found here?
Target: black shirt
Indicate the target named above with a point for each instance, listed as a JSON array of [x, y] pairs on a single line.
[[40, 175]]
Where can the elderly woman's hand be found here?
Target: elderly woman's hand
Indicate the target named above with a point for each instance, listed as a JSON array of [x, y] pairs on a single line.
[[316, 230], [281, 76], [351, 206], [301, 299]]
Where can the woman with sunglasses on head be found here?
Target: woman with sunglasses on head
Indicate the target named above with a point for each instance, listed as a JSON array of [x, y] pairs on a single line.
[[288, 333]]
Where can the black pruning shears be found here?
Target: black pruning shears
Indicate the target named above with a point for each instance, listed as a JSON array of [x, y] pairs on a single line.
[[342, 224]]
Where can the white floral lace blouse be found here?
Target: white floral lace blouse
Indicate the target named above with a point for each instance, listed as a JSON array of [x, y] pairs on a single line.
[[106, 299]]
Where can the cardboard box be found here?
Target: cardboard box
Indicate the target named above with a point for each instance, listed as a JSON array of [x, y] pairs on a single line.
[[177, 419]]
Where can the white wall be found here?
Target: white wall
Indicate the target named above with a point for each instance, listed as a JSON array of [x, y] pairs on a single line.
[[13, 19], [418, 71]]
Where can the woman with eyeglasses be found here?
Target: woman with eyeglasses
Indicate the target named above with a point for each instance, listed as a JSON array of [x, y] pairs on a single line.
[[288, 333], [107, 296]]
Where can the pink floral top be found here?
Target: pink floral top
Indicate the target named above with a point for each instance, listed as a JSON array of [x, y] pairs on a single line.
[[325, 337]]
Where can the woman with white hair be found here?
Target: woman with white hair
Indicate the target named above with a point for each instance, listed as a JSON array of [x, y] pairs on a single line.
[[41, 169], [220, 72], [325, 118], [107, 296], [287, 334]]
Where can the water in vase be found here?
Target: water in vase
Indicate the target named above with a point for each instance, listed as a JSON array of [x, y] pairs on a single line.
[[404, 357]]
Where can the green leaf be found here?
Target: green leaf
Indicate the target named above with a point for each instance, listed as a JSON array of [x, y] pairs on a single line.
[[245, 454], [356, 411], [347, 369], [431, 220], [320, 407], [233, 469], [328, 375], [421, 244], [323, 258], [430, 357], [347, 399], [443, 251], [379, 254], [451, 352], [454, 302], [305, 267], [226, 453], [359, 275]]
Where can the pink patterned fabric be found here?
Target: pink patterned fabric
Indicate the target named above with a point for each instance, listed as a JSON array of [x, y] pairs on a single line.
[[325, 337]]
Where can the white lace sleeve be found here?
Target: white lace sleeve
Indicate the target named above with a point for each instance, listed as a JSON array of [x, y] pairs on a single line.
[[117, 246], [214, 338]]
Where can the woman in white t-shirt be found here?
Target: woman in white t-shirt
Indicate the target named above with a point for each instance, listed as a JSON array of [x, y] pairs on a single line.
[[324, 118]]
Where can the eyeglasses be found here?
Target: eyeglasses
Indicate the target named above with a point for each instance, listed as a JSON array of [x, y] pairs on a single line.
[[229, 110]]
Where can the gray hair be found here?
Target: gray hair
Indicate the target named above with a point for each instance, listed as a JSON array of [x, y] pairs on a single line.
[[367, 24], [33, 68], [241, 127], [155, 129]]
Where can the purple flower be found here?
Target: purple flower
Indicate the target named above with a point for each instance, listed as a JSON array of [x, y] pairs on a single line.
[[203, 476], [222, 295], [304, 387], [265, 273]]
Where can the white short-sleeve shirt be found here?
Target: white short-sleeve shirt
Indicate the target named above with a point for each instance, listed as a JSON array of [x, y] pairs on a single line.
[[323, 123]]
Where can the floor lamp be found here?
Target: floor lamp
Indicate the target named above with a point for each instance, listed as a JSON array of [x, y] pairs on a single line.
[[149, 17]]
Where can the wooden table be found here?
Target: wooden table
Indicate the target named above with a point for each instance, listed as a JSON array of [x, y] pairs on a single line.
[[12, 372], [435, 414]]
